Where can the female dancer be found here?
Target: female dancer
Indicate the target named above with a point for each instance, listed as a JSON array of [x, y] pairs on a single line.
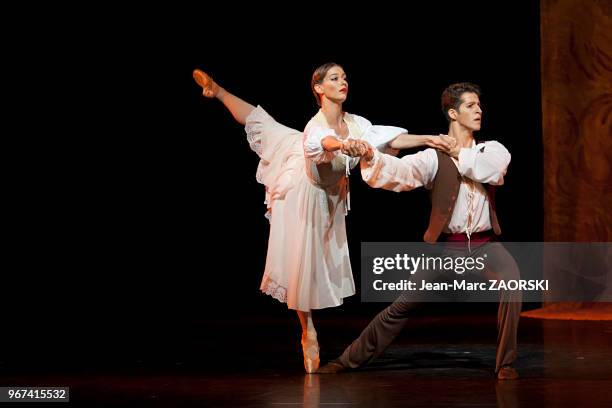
[[307, 193]]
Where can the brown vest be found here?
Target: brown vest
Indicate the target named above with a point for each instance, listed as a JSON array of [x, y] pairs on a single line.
[[444, 195]]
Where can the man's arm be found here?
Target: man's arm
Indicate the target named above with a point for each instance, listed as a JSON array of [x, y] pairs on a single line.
[[384, 171]]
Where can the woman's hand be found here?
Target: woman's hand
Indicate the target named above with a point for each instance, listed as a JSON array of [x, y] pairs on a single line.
[[444, 143], [356, 148]]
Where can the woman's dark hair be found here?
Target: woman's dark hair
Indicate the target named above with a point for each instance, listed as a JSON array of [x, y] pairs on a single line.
[[319, 75]]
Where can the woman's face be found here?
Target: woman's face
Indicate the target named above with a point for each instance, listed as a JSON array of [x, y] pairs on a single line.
[[334, 86]]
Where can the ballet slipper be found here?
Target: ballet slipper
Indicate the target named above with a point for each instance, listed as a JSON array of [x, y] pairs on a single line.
[[310, 348], [210, 89]]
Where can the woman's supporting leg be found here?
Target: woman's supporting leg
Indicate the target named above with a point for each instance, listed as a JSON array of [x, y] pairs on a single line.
[[310, 346], [306, 322]]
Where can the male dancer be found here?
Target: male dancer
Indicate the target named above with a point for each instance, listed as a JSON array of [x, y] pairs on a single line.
[[463, 210]]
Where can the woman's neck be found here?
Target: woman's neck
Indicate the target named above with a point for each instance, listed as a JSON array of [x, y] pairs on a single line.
[[333, 112]]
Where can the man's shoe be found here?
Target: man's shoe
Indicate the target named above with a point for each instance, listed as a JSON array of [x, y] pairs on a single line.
[[331, 368], [507, 373]]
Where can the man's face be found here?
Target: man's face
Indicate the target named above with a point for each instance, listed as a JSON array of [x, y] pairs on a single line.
[[469, 114]]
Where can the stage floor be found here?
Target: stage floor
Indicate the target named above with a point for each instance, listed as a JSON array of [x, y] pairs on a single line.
[[438, 361]]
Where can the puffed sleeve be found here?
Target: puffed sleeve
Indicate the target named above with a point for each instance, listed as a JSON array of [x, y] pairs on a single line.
[[313, 150], [379, 136], [486, 163], [395, 174]]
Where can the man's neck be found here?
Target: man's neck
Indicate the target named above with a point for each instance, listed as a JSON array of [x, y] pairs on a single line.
[[464, 137]]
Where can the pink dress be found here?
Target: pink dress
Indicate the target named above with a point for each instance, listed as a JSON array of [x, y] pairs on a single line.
[[307, 264]]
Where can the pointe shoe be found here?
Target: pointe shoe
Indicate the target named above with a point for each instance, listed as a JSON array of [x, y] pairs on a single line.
[[310, 348], [210, 89], [507, 373]]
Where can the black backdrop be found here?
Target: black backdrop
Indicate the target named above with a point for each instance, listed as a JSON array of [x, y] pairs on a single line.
[[149, 215]]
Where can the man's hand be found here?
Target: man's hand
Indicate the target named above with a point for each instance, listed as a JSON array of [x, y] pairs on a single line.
[[350, 147], [369, 153]]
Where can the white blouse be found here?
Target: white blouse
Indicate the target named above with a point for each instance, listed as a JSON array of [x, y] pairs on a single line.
[[359, 128], [327, 169]]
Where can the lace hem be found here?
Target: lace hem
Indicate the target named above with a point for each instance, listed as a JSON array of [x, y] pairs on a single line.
[[278, 292]]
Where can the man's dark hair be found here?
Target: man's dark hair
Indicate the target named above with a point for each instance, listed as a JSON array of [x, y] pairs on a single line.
[[451, 97]]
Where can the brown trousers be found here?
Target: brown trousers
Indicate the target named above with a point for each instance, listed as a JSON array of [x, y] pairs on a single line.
[[387, 324]]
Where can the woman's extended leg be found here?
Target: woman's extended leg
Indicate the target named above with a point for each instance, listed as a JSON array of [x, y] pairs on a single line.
[[210, 89]]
